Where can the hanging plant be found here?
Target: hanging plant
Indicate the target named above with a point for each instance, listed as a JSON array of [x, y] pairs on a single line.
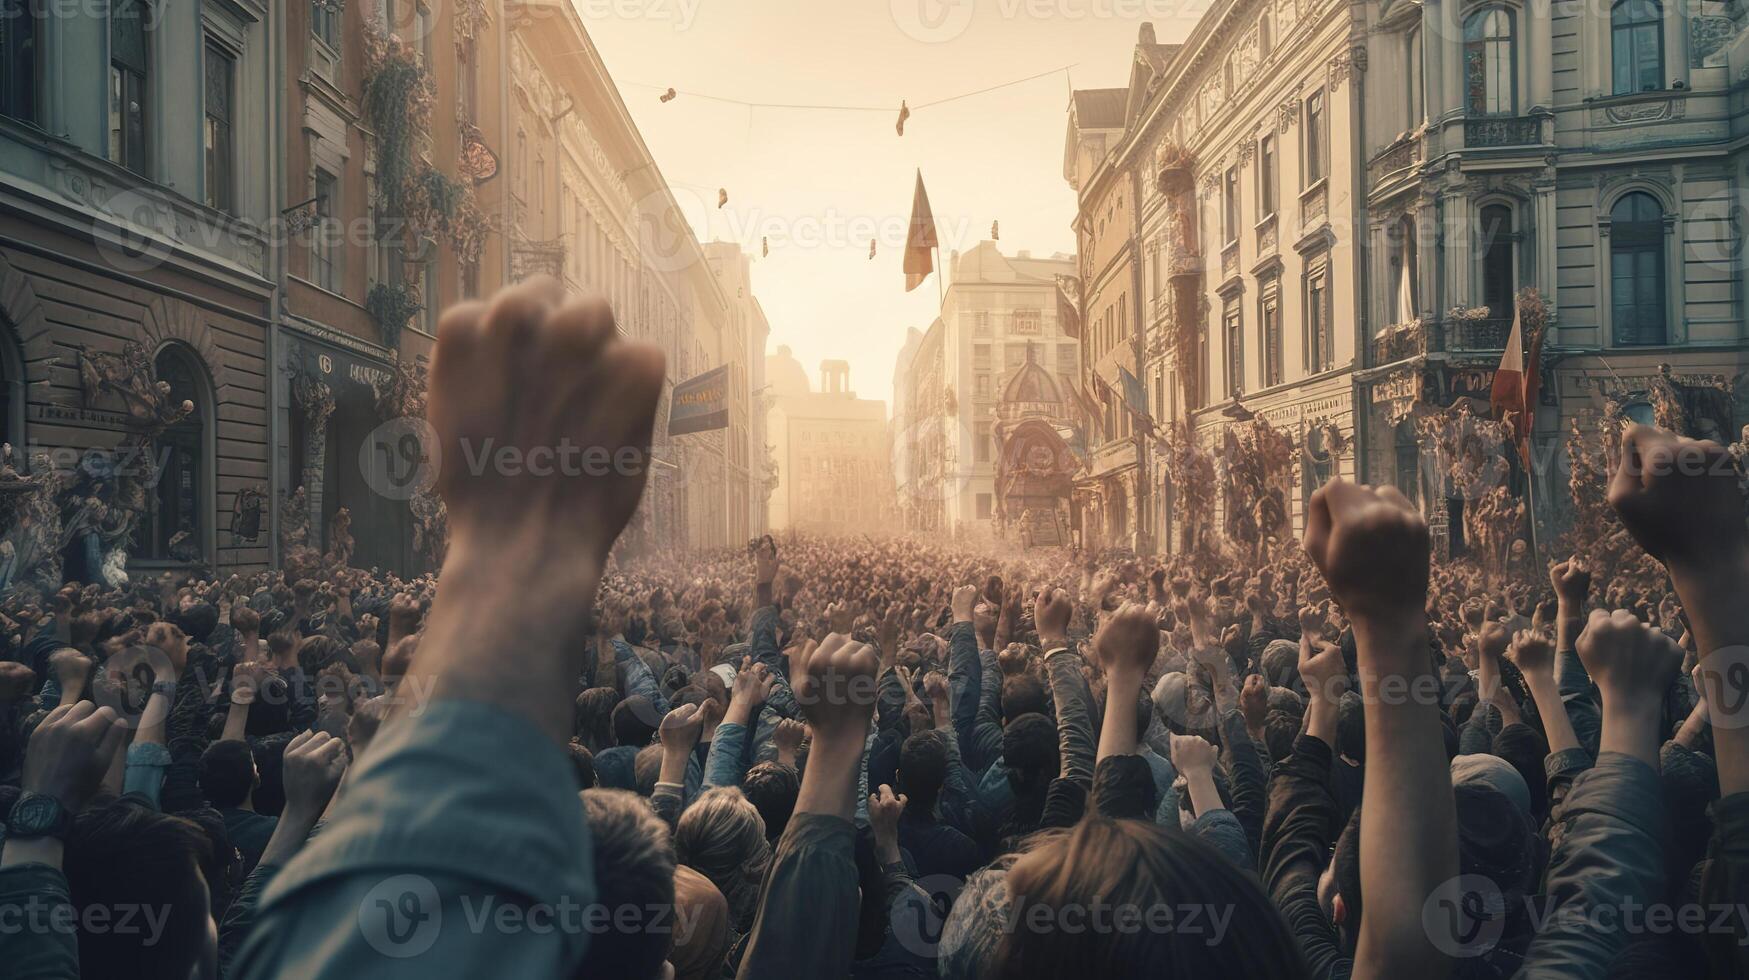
[[398, 95], [444, 209], [391, 306]]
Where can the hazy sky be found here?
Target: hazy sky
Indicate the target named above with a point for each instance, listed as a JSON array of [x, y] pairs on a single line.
[[820, 184]]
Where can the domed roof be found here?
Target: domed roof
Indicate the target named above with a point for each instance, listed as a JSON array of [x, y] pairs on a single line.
[[784, 373], [1031, 384]]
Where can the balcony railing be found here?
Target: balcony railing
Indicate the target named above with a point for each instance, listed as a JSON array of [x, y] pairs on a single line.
[[1457, 336], [1487, 131]]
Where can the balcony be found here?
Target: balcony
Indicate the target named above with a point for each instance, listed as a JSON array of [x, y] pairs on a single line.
[[1403, 155], [1452, 335], [1497, 131]]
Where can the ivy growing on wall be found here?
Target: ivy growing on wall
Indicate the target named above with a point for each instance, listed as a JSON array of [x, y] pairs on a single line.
[[398, 95], [391, 305]]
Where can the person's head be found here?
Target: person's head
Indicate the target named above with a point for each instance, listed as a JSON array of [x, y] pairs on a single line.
[[583, 761], [923, 770], [197, 621], [1029, 752], [634, 721], [646, 767], [593, 719], [1023, 694], [1281, 663], [125, 854], [700, 947], [634, 869], [1143, 874], [772, 789], [1351, 727], [227, 773], [722, 836], [1280, 729]]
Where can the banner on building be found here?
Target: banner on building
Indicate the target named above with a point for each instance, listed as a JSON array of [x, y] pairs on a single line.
[[700, 404]]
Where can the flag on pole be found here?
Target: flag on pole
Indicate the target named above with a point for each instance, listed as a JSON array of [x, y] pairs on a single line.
[[1136, 397], [1513, 388], [920, 240]]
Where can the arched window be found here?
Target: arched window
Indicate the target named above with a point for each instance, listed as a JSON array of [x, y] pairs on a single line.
[[1499, 272], [1636, 270], [1636, 30], [1416, 82], [174, 525], [1491, 62]]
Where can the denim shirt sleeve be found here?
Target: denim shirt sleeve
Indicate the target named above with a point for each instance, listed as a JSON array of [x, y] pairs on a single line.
[[1574, 685], [49, 951], [763, 642], [808, 912], [637, 677], [958, 807], [1246, 777], [723, 767], [1724, 883], [1607, 854], [1075, 722], [985, 746], [1221, 829], [965, 679], [456, 812], [144, 776]]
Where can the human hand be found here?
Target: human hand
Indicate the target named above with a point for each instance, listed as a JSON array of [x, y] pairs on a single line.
[[834, 684], [246, 680], [16, 681], [1322, 670], [984, 624], [1630, 663], [1680, 500], [1051, 610], [884, 810], [1192, 754], [752, 686], [765, 564], [680, 728], [840, 617], [1128, 642], [1572, 582], [964, 598], [1372, 547], [70, 751], [1534, 655], [313, 764], [787, 737], [935, 687], [169, 638], [1254, 702], [72, 670], [1012, 660]]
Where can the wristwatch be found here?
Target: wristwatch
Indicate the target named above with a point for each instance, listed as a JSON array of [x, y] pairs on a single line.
[[36, 815]]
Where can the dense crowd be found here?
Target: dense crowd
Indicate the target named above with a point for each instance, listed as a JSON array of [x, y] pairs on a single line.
[[876, 758]]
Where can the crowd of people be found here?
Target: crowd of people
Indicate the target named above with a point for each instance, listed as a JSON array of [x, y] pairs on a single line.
[[880, 758]]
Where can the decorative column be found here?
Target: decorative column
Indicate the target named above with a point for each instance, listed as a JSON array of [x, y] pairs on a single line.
[[315, 400]]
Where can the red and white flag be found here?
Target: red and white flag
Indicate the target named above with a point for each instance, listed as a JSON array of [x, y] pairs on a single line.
[[1515, 385]]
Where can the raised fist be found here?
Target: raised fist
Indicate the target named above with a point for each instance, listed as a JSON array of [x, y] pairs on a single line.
[[1372, 547], [1680, 499]]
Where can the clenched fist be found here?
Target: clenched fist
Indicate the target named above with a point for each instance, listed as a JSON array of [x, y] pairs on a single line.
[[1372, 546]]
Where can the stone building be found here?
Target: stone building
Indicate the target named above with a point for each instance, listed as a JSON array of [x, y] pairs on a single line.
[[831, 451]]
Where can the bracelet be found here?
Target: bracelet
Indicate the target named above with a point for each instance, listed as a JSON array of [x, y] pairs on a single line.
[[166, 688]]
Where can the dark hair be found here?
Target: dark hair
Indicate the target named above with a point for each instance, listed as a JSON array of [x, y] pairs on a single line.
[[125, 853], [317, 652], [1137, 866], [646, 769], [634, 721], [923, 770], [1280, 728], [772, 787], [1023, 694], [1029, 751], [227, 773], [1351, 727], [634, 869], [198, 621], [593, 724]]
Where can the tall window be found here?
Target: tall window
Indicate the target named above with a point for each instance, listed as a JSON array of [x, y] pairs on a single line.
[[129, 62], [322, 236], [1269, 326], [220, 70], [1636, 31], [1230, 206], [172, 527], [1320, 342], [1266, 176], [1416, 82], [1317, 139], [1499, 275], [325, 22], [1636, 270], [1490, 62], [1404, 265], [18, 58], [1233, 341]]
